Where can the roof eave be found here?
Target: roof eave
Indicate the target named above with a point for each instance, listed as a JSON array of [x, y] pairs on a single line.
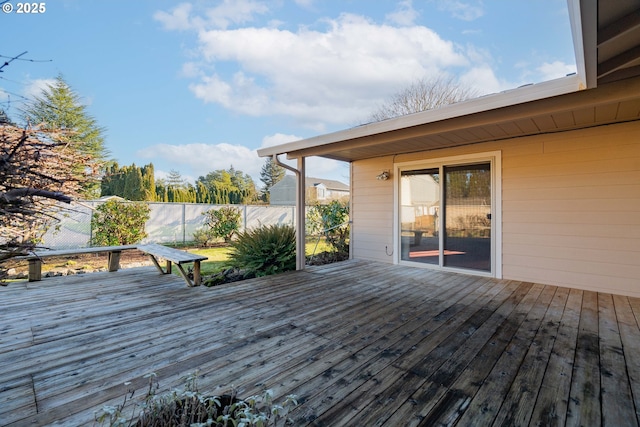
[[516, 96], [583, 18]]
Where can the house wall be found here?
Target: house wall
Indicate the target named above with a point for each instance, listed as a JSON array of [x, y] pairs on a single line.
[[570, 207], [372, 210]]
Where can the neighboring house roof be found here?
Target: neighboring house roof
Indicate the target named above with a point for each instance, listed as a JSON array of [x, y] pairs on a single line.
[[290, 181], [329, 184], [607, 40], [284, 191]]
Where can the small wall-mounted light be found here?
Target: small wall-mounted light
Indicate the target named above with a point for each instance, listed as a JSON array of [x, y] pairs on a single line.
[[383, 176]]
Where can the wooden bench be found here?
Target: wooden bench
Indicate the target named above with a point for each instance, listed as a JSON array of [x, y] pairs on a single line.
[[177, 257], [417, 239], [113, 258]]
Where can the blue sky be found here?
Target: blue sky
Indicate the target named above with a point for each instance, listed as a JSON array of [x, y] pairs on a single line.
[[199, 86]]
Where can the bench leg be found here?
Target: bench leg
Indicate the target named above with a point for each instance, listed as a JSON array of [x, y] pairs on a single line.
[[157, 264], [166, 270], [35, 270], [184, 275], [197, 279], [114, 261]]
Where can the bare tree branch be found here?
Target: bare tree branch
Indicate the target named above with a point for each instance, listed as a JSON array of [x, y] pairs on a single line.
[[422, 95], [36, 173]]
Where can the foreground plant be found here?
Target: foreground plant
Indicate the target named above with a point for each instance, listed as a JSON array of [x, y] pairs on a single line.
[[331, 221], [265, 250], [190, 408], [37, 171], [119, 223]]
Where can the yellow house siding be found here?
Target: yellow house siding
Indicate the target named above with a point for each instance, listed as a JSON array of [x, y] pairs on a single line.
[[372, 210], [570, 207]]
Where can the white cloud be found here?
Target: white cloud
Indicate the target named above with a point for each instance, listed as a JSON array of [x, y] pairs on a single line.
[[554, 70], [530, 72], [316, 167], [277, 139], [36, 87], [405, 15], [199, 159], [235, 12], [178, 19], [484, 81], [466, 11], [222, 16], [324, 76], [333, 73]]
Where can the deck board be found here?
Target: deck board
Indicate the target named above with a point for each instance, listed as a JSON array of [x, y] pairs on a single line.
[[358, 343]]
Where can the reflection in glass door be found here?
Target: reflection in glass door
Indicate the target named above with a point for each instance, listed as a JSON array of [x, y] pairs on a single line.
[[420, 203], [456, 199], [467, 213]]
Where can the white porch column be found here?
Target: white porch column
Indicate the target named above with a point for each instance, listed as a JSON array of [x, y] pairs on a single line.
[[300, 215]]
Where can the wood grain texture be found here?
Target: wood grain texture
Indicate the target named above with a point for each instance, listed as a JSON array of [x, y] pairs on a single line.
[[359, 343]]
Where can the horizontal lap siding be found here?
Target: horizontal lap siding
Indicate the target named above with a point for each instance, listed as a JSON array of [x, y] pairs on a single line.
[[372, 210], [571, 209]]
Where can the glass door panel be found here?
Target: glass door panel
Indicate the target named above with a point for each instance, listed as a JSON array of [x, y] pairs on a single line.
[[467, 216], [419, 216]]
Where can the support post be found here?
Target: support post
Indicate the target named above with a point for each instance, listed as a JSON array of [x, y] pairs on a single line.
[[300, 216], [300, 208]]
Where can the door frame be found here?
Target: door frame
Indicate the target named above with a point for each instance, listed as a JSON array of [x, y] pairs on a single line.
[[492, 157]]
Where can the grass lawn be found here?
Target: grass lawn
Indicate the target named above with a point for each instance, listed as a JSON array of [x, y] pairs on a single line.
[[218, 259]]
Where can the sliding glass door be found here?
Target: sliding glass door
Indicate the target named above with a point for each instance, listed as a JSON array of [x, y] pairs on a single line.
[[419, 215], [445, 215], [467, 216]]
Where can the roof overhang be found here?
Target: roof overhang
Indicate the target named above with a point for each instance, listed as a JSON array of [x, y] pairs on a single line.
[[607, 42], [459, 124]]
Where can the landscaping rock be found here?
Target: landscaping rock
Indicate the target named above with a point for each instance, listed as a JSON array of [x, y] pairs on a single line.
[[227, 276]]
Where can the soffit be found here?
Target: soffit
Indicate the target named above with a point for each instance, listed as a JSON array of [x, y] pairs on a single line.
[[610, 103], [618, 40]]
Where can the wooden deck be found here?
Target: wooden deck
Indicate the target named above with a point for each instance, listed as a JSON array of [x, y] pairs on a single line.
[[360, 344]]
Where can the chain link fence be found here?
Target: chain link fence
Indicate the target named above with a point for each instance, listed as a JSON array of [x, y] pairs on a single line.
[[172, 223]]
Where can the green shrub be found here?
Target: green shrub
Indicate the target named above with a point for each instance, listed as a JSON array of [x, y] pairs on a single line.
[[220, 223], [203, 237], [119, 223], [265, 250], [331, 221]]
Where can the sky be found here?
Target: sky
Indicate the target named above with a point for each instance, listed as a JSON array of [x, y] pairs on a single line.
[[200, 86]]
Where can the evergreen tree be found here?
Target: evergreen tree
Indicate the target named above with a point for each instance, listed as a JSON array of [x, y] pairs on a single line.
[[133, 188], [58, 108], [270, 175], [149, 182], [129, 182], [228, 186], [175, 180], [162, 192], [4, 119], [202, 193]]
